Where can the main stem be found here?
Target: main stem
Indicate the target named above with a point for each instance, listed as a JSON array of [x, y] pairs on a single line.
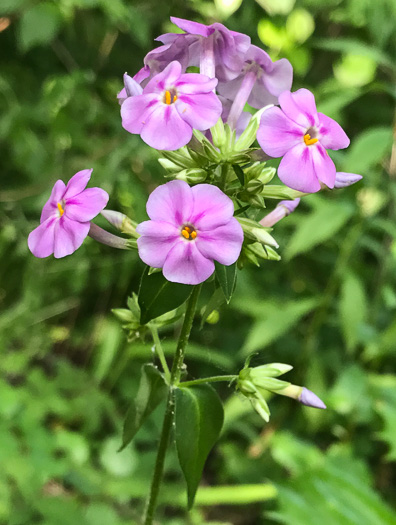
[[170, 405]]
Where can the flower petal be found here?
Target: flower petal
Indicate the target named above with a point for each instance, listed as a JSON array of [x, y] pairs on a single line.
[[185, 264], [297, 171], [69, 236], [135, 111], [277, 134], [41, 239], [332, 136], [223, 244], [172, 202], [157, 239], [200, 111], [165, 129], [343, 180], [212, 207], [86, 205], [299, 106], [166, 79], [51, 206], [323, 165], [194, 28], [77, 183], [191, 83], [279, 77]]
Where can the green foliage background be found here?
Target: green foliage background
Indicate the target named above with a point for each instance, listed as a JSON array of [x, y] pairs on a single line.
[[328, 307]]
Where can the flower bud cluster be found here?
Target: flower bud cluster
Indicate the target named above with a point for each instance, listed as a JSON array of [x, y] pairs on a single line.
[[130, 319], [255, 383]]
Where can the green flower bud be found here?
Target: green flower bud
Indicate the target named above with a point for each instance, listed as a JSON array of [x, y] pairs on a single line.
[[249, 135], [192, 175], [280, 192], [218, 134], [253, 230], [254, 187]]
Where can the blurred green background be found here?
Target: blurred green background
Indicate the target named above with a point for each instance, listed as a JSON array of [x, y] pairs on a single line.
[[328, 307]]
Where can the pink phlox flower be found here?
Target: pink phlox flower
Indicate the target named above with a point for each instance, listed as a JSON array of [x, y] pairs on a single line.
[[190, 228], [301, 135], [227, 48], [170, 106], [65, 219], [268, 79]]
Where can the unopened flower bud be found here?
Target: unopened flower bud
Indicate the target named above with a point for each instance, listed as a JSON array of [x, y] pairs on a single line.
[[132, 88], [310, 399], [283, 209], [258, 250], [192, 175], [254, 187], [303, 395], [259, 171], [218, 134], [169, 166], [249, 135], [343, 180], [253, 230], [277, 191], [121, 222]]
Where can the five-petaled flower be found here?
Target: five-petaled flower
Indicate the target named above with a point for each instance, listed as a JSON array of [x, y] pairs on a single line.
[[190, 228], [170, 106], [65, 219], [301, 135]]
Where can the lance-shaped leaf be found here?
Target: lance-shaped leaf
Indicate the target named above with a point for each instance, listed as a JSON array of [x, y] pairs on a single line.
[[199, 419], [152, 390], [226, 276], [158, 296]]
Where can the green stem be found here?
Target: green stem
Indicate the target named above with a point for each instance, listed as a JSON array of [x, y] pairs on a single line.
[[170, 405], [213, 379], [160, 351]]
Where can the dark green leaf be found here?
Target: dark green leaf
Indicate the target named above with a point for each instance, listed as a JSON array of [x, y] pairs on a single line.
[[241, 210], [239, 173], [226, 276], [199, 419], [39, 25], [152, 390], [158, 296]]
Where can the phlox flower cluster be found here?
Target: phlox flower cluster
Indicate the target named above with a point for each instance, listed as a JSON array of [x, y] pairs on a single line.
[[167, 102]]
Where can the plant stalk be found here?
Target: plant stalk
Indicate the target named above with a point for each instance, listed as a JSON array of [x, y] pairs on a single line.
[[213, 379], [170, 404]]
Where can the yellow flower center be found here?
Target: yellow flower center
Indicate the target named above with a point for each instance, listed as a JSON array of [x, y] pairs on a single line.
[[308, 141], [61, 210], [189, 233], [169, 98]]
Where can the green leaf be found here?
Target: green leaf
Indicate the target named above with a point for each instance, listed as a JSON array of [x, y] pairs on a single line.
[[39, 25], [340, 492], [239, 173], [158, 296], [319, 226], [274, 320], [352, 310], [368, 149], [152, 390], [199, 419], [226, 277]]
